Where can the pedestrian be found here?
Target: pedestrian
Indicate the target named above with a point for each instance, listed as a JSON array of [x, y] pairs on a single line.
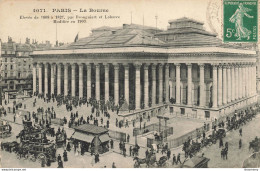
[[220, 143], [178, 158], [14, 117], [60, 164], [240, 131], [59, 158], [65, 156], [111, 144], [174, 161], [113, 165], [128, 138], [130, 150], [240, 144], [146, 153], [169, 154], [43, 163]]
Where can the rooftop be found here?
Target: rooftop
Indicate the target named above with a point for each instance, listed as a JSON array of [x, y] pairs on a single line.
[[92, 129]]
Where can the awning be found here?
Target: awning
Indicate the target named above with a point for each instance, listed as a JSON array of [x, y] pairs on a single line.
[[104, 138], [82, 137]]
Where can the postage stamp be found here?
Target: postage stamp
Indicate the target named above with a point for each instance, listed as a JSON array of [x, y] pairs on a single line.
[[240, 20]]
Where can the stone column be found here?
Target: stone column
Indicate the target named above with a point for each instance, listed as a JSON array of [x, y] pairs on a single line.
[[45, 79], [178, 83], [250, 80], [66, 75], [233, 83], [59, 80], [80, 80], [137, 87], [172, 77], [106, 82], [237, 82], [116, 84], [73, 85], [88, 80], [40, 77], [189, 65], [215, 86], [240, 81], [153, 84], [160, 84], [97, 66], [202, 86], [220, 75], [224, 92], [34, 78], [167, 83], [229, 91], [244, 80], [52, 79], [146, 86], [254, 79]]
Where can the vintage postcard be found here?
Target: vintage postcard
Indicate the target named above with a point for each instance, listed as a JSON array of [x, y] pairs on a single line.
[[129, 84]]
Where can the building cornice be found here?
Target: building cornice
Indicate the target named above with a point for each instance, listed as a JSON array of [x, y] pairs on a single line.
[[170, 51]]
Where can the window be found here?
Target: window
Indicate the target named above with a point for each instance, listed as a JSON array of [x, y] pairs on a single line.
[[5, 67], [11, 67], [5, 74], [182, 111], [207, 114], [29, 66], [19, 74], [11, 60], [5, 59]]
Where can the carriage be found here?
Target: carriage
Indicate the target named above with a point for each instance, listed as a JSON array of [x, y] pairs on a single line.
[[38, 151], [60, 139], [221, 133], [5, 129]]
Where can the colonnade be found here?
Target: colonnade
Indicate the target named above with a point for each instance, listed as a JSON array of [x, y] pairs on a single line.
[[153, 83]]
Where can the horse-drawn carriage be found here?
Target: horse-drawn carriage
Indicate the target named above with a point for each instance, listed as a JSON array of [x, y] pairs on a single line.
[[60, 139], [37, 151], [5, 129], [255, 144], [150, 161]]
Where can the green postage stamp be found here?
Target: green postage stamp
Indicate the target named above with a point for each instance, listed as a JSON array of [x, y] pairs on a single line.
[[240, 20]]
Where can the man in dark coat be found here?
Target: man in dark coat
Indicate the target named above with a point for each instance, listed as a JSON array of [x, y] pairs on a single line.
[[65, 156]]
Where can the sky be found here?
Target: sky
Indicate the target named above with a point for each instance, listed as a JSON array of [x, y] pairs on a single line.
[[44, 29]]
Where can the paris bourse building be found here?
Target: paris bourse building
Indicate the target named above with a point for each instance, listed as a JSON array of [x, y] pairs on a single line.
[[185, 69]]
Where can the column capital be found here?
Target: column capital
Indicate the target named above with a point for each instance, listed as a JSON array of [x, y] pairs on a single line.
[[88, 64], [73, 65], [146, 67], [153, 66], [178, 65], [160, 65], [189, 65], [126, 65], [80, 64], [167, 66], [116, 66], [215, 66], [220, 66], [137, 65], [106, 65], [201, 65], [39, 65]]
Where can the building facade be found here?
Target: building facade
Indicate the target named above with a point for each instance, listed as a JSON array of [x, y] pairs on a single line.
[[185, 68], [16, 65]]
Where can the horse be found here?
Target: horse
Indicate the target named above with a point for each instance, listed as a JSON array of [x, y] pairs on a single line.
[[139, 161]]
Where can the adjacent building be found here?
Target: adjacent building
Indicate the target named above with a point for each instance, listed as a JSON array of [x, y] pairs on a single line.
[[184, 69], [16, 64]]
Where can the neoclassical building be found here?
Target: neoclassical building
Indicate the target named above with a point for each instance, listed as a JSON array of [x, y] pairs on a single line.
[[185, 69]]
